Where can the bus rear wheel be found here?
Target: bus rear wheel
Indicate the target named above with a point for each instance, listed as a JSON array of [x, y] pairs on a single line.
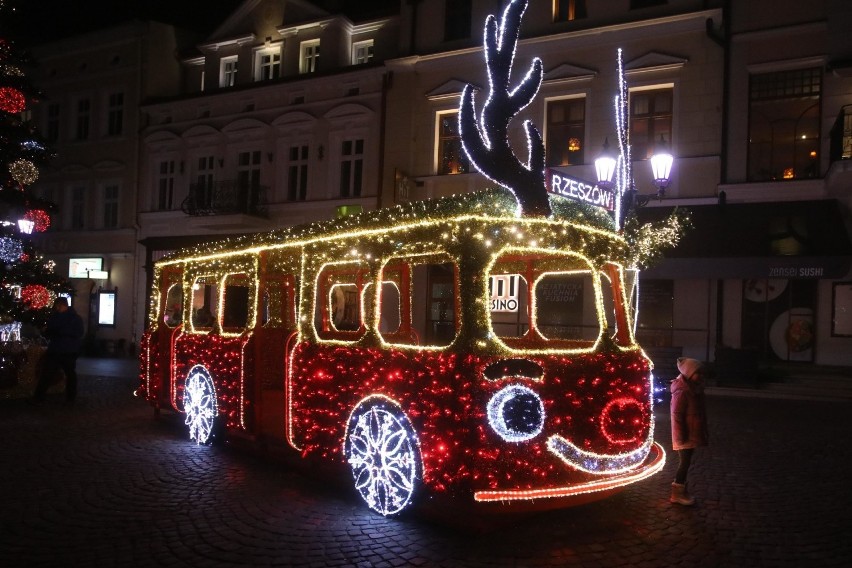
[[199, 403], [383, 451]]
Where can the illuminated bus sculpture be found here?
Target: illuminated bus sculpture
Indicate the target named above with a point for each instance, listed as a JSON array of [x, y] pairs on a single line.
[[461, 347]]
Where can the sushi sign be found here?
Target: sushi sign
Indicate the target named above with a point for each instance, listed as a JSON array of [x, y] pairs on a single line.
[[579, 190]]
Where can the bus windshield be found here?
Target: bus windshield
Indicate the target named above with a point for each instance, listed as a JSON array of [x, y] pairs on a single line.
[[549, 300]]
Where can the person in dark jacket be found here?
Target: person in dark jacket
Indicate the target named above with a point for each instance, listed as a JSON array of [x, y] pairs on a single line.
[[689, 422], [64, 332]]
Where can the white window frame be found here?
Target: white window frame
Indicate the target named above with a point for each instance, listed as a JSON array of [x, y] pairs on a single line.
[[309, 54], [115, 112], [228, 71], [110, 202], [271, 68], [362, 52], [83, 119], [165, 183]]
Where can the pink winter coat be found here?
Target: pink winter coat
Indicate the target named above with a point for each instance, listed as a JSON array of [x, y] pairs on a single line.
[[689, 417]]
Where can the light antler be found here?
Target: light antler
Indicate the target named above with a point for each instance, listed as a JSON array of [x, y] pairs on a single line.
[[487, 143]]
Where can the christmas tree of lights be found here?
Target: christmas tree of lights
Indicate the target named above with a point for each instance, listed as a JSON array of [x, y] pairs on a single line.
[[28, 283]]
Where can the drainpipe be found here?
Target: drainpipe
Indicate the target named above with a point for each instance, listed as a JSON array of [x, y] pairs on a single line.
[[387, 80]]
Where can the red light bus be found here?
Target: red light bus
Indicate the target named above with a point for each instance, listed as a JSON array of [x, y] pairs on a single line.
[[452, 347]]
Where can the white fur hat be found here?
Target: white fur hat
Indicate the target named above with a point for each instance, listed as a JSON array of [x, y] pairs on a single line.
[[687, 366]]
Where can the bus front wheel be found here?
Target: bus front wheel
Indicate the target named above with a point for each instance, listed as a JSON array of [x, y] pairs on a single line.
[[199, 403], [382, 449]]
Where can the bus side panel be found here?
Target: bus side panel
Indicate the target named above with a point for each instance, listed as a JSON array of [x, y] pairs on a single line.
[[230, 362], [435, 390], [600, 402]]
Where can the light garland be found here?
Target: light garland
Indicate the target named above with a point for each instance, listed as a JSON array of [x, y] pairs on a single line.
[[516, 413], [11, 249], [23, 171], [12, 100], [36, 296]]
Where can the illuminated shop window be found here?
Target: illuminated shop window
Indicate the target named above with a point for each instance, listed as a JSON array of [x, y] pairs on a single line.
[[784, 125], [451, 156], [566, 131], [568, 10], [650, 119]]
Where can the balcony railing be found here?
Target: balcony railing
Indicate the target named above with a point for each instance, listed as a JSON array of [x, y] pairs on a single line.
[[227, 197], [840, 138]]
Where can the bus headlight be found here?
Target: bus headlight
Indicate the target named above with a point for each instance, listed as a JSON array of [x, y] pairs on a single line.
[[516, 413]]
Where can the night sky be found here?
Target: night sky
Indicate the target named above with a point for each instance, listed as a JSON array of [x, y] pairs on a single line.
[[40, 21]]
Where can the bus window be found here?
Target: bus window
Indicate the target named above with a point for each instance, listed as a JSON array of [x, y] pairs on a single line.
[[389, 307], [338, 308], [608, 304], [173, 310], [434, 286], [205, 298], [235, 305], [565, 306], [508, 305]]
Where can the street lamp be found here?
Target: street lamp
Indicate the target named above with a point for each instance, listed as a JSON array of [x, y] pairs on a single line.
[[605, 166], [661, 166]]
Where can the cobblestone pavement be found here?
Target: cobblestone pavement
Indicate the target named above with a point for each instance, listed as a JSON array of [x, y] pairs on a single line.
[[104, 483]]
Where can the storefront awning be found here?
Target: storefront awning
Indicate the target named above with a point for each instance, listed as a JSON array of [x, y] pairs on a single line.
[[801, 239]]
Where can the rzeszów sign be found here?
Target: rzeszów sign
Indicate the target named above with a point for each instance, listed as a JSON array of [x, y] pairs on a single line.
[[579, 190]]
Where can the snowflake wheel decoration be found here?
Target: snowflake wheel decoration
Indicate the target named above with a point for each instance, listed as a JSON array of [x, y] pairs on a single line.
[[199, 403], [383, 452]]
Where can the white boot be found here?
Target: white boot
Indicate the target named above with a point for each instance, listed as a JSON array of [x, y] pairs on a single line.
[[680, 495]]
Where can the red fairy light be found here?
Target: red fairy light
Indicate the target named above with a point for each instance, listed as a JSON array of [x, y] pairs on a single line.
[[12, 100], [35, 296], [40, 219]]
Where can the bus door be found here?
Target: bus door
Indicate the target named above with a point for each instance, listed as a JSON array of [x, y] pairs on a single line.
[[275, 338], [161, 342]]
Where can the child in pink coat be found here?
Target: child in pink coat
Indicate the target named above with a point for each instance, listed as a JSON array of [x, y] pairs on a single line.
[[689, 422]]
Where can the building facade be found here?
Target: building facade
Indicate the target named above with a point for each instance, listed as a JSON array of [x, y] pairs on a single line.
[[94, 85], [279, 122], [291, 113]]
